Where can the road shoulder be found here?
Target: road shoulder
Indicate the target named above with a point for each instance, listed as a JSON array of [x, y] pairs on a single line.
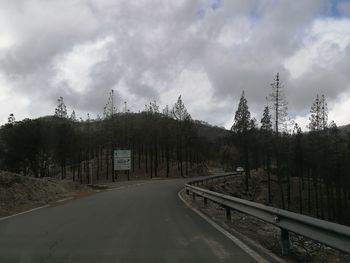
[[255, 250]]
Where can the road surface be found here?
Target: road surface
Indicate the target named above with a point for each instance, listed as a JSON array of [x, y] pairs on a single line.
[[140, 223]]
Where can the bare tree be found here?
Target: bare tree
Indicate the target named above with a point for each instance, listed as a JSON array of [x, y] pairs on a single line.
[[110, 108], [61, 110], [279, 109], [73, 117], [324, 112], [316, 115], [179, 113], [278, 105], [11, 119]]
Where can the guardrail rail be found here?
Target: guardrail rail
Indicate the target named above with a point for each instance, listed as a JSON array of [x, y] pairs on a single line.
[[331, 234]]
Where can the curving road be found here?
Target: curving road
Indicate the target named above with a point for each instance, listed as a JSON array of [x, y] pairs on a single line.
[[140, 223]]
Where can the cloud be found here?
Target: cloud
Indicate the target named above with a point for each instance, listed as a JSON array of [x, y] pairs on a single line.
[[206, 50], [323, 47], [11, 101], [339, 111], [74, 68]]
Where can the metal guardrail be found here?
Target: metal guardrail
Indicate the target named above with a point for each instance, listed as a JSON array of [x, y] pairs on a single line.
[[331, 234], [212, 178]]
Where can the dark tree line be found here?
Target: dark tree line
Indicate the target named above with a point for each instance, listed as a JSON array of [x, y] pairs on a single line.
[[66, 148], [317, 161]]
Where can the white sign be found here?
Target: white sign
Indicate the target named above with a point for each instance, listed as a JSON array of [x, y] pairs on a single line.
[[122, 160]]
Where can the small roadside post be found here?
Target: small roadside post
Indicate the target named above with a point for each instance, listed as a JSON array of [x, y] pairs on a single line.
[[90, 170]]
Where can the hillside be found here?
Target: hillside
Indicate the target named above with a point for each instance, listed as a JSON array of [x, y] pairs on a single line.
[[60, 147], [18, 193]]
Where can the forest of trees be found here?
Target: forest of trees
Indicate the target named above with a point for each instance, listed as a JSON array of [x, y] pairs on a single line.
[[59, 145], [317, 159]]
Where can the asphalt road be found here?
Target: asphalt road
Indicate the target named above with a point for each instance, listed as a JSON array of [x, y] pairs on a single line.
[[141, 223]]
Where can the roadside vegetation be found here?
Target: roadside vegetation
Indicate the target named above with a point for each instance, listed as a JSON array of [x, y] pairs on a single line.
[[310, 169], [304, 171]]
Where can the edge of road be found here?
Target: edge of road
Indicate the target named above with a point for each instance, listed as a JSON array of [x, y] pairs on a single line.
[[108, 187], [233, 235], [69, 198], [24, 212]]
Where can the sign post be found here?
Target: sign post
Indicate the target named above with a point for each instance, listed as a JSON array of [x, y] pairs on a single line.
[[122, 160]]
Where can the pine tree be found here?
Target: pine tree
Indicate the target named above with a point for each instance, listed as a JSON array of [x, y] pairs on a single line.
[[166, 111], [315, 142], [153, 108], [166, 137], [266, 130], [333, 125], [297, 158], [324, 112], [73, 116], [61, 110], [154, 111], [316, 115], [278, 106], [242, 116], [179, 111], [11, 119], [318, 122], [241, 126], [266, 124], [279, 109]]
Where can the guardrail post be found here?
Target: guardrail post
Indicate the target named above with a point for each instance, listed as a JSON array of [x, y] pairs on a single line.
[[187, 192], [285, 241], [194, 196], [205, 201], [228, 213]]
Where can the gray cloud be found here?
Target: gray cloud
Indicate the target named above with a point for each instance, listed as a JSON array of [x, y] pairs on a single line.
[[154, 50]]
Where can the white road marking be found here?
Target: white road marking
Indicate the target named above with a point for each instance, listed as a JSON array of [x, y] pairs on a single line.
[[126, 186], [34, 209], [235, 240], [25, 212], [64, 199]]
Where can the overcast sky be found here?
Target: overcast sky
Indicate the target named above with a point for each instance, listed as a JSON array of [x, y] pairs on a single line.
[[207, 50]]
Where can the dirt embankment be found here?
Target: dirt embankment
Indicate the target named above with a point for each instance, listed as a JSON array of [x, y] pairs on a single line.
[[19, 193]]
